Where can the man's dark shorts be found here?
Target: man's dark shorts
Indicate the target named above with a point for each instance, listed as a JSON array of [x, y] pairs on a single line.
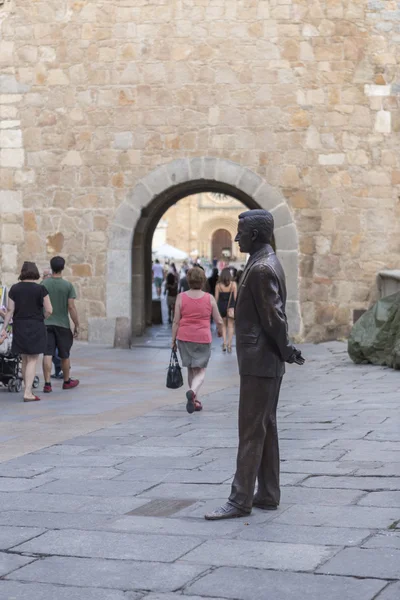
[[59, 338]]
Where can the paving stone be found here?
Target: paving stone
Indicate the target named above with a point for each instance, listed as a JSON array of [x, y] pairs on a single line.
[[302, 496], [85, 473], [56, 460], [46, 502], [354, 483], [10, 470], [122, 546], [364, 517], [14, 484], [109, 574], [360, 562], [166, 462], [12, 562], [13, 590], [248, 584], [177, 596], [391, 592], [243, 553], [300, 534], [175, 526], [54, 520], [12, 536], [381, 499], [187, 490], [386, 539], [314, 467], [95, 488]]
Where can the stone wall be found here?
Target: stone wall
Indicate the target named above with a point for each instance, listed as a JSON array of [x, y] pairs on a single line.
[[95, 94]]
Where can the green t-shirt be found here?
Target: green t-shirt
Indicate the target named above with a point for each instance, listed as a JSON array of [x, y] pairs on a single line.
[[60, 291]]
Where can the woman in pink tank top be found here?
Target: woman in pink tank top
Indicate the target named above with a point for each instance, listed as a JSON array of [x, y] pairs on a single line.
[[192, 329]]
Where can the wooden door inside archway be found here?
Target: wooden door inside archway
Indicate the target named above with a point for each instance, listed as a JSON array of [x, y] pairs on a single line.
[[221, 244]]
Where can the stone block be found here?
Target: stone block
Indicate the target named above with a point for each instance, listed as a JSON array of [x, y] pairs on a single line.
[[382, 563], [110, 545], [158, 180], [11, 234], [268, 197], [10, 202], [11, 562], [123, 333], [249, 182], [391, 592], [282, 215], [13, 536], [119, 238], [247, 584], [348, 516], [119, 269], [72, 159], [57, 77], [301, 534], [386, 539], [178, 171], [42, 591], [118, 299], [377, 90], [383, 121], [241, 553], [10, 85], [126, 216], [11, 138], [286, 237], [228, 172], [331, 159], [197, 168], [123, 140], [139, 197], [9, 258], [290, 263], [210, 168], [386, 499], [12, 158], [101, 573]]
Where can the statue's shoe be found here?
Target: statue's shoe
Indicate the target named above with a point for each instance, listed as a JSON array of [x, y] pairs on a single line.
[[227, 511], [258, 503]]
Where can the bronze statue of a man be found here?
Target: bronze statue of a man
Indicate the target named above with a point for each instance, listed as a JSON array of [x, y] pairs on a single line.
[[263, 347]]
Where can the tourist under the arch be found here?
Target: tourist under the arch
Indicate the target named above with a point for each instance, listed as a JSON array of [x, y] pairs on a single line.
[[263, 347]]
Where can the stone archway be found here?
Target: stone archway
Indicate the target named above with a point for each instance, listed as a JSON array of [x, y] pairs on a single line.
[[128, 292]]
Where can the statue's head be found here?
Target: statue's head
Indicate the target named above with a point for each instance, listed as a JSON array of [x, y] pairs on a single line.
[[255, 228]]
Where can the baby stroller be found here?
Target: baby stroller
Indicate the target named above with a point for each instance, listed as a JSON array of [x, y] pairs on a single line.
[[11, 367]]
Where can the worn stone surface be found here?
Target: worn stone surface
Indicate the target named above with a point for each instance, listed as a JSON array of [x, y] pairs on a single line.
[[108, 489]]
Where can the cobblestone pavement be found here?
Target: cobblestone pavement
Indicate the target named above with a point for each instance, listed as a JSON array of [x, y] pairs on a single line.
[[103, 489]]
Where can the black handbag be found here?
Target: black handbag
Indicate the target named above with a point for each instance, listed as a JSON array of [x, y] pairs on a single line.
[[174, 375]]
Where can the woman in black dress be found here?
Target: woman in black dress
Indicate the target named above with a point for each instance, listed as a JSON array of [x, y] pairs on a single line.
[[28, 306], [225, 295]]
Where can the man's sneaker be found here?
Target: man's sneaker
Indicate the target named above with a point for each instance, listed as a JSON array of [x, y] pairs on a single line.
[[47, 388], [72, 383]]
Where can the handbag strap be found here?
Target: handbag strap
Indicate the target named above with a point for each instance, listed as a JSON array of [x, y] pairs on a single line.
[[230, 296]]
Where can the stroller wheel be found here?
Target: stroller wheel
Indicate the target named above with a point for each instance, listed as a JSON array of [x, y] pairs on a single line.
[[10, 385], [18, 385], [36, 382]]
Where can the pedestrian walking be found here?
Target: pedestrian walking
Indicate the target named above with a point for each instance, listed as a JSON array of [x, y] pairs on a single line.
[[28, 306], [212, 282], [59, 335], [158, 276], [225, 295], [192, 331], [56, 359], [171, 291]]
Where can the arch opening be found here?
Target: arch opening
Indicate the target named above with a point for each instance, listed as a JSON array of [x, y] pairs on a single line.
[[129, 278]]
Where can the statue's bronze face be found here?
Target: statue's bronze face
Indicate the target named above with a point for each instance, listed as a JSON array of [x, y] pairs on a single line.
[[244, 237]]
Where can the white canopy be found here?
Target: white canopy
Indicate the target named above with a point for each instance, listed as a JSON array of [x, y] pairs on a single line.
[[168, 251]]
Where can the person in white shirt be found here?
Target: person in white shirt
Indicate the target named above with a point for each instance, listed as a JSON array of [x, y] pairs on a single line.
[[158, 276]]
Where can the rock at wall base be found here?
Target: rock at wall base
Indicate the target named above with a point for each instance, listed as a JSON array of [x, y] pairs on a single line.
[[123, 334]]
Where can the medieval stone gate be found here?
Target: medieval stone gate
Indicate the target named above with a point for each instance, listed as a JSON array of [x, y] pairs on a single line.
[[131, 232]]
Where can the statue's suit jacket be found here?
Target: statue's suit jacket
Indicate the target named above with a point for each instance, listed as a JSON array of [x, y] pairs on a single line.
[[262, 342]]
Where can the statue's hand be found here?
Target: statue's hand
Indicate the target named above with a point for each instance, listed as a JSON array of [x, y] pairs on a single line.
[[296, 357]]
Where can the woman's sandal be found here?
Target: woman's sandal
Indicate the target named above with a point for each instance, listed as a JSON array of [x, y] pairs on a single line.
[[229, 349], [198, 405], [34, 399], [190, 404], [223, 347]]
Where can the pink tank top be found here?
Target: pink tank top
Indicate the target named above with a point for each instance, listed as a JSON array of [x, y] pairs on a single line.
[[195, 325]]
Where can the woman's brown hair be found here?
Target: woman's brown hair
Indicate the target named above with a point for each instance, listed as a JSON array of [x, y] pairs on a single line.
[[196, 278], [29, 271], [226, 277]]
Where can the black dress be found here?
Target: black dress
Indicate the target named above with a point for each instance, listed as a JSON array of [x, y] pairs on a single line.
[[29, 330], [224, 304]]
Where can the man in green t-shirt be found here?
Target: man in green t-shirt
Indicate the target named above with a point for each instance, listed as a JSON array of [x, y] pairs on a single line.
[[59, 335]]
